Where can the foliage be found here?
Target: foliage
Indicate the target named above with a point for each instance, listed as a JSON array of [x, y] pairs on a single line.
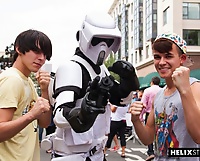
[[109, 62], [6, 60], [37, 87]]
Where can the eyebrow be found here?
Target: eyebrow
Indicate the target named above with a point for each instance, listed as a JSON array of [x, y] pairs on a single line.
[[168, 53]]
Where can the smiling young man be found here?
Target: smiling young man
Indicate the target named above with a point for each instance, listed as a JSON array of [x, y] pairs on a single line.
[[21, 110], [174, 119]]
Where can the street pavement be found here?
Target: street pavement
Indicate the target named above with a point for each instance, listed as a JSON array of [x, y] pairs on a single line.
[[134, 152]]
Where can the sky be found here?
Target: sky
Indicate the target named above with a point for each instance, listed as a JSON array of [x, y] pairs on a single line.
[[58, 19]]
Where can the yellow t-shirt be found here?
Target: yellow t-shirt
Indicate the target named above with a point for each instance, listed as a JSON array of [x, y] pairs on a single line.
[[18, 91]]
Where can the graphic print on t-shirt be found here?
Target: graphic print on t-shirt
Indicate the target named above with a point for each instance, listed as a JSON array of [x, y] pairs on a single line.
[[165, 137]]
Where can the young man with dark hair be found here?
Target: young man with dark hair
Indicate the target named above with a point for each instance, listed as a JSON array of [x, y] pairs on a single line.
[[21, 110]]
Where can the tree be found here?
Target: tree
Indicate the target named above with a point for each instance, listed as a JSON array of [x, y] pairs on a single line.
[[109, 62], [37, 86], [7, 59]]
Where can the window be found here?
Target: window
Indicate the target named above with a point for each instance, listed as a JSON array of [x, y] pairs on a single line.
[[191, 11], [154, 18], [131, 42], [192, 37], [131, 25], [165, 16], [131, 8], [149, 25], [140, 55], [154, 5], [132, 58], [136, 60], [147, 51]]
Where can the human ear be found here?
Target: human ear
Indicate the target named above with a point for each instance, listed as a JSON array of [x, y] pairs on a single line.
[[17, 50], [183, 58]]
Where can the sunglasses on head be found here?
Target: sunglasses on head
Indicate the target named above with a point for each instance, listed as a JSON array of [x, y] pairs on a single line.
[[97, 40]]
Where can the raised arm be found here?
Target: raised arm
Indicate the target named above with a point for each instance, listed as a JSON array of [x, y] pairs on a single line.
[[145, 132]]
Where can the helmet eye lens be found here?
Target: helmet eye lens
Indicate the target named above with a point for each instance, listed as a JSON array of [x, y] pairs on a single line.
[[97, 40]]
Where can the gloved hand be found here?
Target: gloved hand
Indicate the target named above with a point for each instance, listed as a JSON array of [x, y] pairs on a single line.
[[96, 98], [82, 118], [98, 94], [123, 68], [128, 78]]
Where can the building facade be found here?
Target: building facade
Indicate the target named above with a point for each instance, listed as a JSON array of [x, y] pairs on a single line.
[[142, 20]]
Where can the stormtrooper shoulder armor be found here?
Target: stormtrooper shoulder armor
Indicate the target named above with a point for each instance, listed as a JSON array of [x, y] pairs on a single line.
[[68, 75]]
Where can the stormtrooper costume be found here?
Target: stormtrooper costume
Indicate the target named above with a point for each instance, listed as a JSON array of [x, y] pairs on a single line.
[[82, 88]]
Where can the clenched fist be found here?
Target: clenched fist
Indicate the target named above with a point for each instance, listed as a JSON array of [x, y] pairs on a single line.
[[40, 107], [180, 78], [135, 109], [43, 79]]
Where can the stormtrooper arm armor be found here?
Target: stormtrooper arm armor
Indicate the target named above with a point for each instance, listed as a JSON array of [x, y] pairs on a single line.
[[74, 113], [67, 85], [82, 118], [121, 91]]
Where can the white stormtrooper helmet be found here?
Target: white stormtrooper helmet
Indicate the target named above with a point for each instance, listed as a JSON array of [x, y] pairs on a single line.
[[98, 37]]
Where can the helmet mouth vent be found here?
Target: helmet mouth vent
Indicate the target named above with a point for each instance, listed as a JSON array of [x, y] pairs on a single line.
[[101, 57]]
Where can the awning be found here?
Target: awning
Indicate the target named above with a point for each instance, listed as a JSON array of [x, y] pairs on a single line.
[[147, 79], [195, 73], [140, 79]]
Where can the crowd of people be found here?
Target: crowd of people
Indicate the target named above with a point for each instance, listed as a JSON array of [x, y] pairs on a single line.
[[84, 95]]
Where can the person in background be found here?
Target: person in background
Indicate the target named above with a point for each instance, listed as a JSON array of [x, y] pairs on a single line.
[[174, 119], [118, 126], [21, 110], [135, 97], [40, 134], [148, 96], [147, 100], [115, 139], [139, 93]]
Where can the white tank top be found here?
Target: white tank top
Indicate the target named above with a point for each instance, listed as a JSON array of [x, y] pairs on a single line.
[[120, 113]]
